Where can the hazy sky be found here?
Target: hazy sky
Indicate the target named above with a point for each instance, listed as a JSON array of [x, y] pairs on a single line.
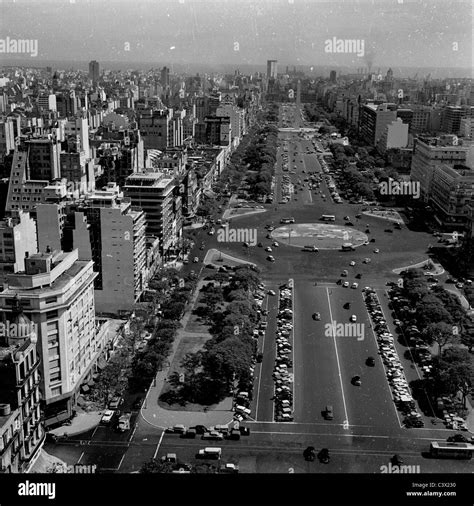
[[428, 33]]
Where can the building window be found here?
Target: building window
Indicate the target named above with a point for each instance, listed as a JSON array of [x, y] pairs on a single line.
[[52, 314], [56, 391], [55, 376], [53, 363], [50, 300]]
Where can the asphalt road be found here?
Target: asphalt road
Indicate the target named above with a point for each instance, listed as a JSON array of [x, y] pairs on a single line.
[[365, 430]]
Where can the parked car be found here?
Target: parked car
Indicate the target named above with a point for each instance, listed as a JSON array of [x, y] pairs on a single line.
[[137, 404], [116, 402], [213, 435], [107, 417]]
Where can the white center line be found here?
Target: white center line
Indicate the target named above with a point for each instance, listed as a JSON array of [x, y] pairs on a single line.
[[337, 358], [158, 445]]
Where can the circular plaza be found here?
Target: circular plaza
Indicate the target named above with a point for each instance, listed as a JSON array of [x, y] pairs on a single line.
[[321, 235]]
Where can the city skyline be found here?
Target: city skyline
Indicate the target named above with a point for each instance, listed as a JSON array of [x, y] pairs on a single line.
[[242, 32]]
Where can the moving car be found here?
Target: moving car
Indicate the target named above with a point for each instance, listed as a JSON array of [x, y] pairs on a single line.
[[328, 412], [355, 285], [346, 284], [316, 316], [370, 361], [376, 250], [271, 292], [356, 381], [270, 258], [310, 453], [353, 318]]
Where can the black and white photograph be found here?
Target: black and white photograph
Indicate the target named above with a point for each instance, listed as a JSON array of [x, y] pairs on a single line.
[[236, 252]]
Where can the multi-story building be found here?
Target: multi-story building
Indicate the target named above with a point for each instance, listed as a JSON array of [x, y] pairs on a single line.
[[395, 136], [452, 189], [429, 152], [165, 76], [94, 72], [17, 238], [466, 129], [237, 120], [452, 116], [56, 292], [155, 128], [21, 428], [218, 130], [272, 69], [406, 115], [23, 193], [47, 102], [116, 243], [7, 137], [43, 158], [373, 119], [159, 197]]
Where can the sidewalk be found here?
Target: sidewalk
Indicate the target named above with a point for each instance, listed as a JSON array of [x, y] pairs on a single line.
[[213, 254], [438, 268], [160, 417], [80, 423]]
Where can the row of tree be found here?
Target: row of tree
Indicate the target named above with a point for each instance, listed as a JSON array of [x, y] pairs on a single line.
[[224, 363], [443, 321]]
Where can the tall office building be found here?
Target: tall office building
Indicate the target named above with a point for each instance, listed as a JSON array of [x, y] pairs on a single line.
[[165, 76], [333, 76], [94, 72], [373, 120], [116, 243], [155, 194], [272, 69]]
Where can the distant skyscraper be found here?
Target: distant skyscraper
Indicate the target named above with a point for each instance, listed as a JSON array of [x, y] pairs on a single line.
[[272, 69], [94, 72], [165, 76], [332, 76]]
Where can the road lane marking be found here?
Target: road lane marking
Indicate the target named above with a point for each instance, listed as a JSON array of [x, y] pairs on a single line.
[[80, 458], [158, 445], [120, 463], [337, 358]]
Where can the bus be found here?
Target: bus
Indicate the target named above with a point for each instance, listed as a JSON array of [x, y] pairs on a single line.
[[451, 450], [287, 220], [328, 217]]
